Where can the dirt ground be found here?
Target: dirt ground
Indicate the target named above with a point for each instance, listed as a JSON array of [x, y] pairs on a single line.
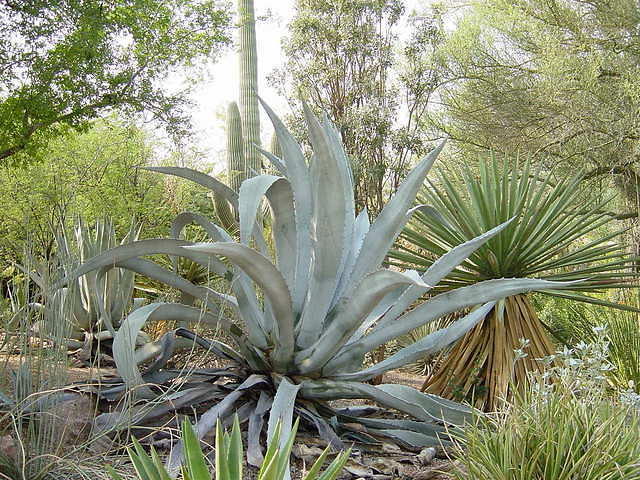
[[366, 463]]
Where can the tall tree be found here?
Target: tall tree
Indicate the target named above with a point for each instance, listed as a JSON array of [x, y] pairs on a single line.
[[341, 58], [553, 78], [64, 62]]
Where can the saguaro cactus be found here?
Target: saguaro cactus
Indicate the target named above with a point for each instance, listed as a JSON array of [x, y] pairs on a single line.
[[249, 112], [235, 149], [243, 124]]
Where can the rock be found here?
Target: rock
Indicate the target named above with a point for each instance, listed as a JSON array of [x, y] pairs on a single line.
[[426, 456], [72, 421], [305, 453], [8, 447]]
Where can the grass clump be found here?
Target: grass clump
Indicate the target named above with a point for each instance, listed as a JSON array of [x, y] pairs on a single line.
[[564, 426]]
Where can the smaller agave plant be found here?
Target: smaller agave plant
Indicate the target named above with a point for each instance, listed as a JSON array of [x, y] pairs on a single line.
[[311, 301], [97, 304]]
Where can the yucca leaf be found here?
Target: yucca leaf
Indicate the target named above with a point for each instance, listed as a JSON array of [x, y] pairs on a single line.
[[236, 454], [194, 458]]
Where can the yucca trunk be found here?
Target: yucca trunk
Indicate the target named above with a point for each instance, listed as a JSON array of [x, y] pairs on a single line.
[[482, 367]]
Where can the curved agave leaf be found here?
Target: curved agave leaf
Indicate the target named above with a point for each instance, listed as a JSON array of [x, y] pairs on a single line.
[[392, 218], [424, 407], [350, 314], [330, 233], [280, 197], [360, 229], [265, 274], [140, 248], [202, 179], [275, 161], [282, 415], [298, 175], [251, 192], [281, 200], [487, 291], [431, 343], [335, 143], [125, 338], [440, 269], [241, 285]]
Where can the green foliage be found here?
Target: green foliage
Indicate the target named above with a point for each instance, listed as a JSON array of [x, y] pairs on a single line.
[[229, 458], [311, 308], [92, 175], [345, 58], [576, 324], [555, 232], [563, 429], [63, 63], [555, 79]]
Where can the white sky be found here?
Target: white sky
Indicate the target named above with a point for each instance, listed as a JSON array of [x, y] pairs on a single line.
[[220, 83]]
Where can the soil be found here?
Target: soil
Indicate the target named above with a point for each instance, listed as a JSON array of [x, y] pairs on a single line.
[[378, 464]]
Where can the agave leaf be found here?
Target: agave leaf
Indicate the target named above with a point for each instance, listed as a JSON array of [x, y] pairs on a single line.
[[434, 342], [280, 196], [281, 200], [440, 269], [141, 248], [410, 439], [275, 161], [256, 421], [360, 229], [349, 315], [282, 409], [201, 179], [257, 323], [335, 144], [420, 405], [329, 232], [154, 271], [124, 340], [251, 192], [265, 274], [298, 174], [391, 219], [487, 291]]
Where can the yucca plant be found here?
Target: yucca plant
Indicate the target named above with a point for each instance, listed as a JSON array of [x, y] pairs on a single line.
[[230, 458], [554, 235], [310, 310]]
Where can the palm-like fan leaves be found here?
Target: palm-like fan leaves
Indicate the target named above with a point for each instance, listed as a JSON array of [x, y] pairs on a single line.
[[311, 309], [553, 234]]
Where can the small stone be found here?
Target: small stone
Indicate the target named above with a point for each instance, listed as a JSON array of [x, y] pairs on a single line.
[[8, 447], [426, 456]]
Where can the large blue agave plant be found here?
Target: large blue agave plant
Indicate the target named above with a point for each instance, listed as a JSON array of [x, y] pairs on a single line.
[[309, 312]]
